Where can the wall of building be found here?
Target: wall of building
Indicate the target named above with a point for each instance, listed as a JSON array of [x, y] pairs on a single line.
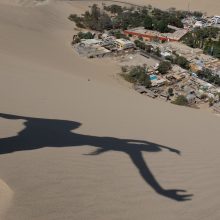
[[149, 37]]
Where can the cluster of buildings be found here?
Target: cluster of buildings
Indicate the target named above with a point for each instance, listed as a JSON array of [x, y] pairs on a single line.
[[195, 56], [196, 91], [215, 19], [192, 22], [103, 47], [180, 78], [182, 81]]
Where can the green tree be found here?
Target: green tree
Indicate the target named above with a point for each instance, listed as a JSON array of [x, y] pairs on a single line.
[[208, 75], [95, 12], [137, 71], [138, 74], [158, 52], [78, 20], [140, 44], [211, 102], [161, 26], [87, 35], [180, 100], [115, 9], [170, 58], [105, 22], [197, 14], [96, 20], [76, 40], [204, 38], [147, 81], [148, 22], [164, 67], [170, 91], [182, 62]]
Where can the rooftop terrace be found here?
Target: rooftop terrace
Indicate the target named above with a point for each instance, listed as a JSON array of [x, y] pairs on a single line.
[[175, 36]]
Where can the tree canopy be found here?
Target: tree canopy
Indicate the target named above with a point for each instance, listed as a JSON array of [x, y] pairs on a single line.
[[204, 38], [148, 22], [87, 35], [181, 100], [207, 74], [95, 19], [124, 18], [115, 9], [138, 75], [164, 67]]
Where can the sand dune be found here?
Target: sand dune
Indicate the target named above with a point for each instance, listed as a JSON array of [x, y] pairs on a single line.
[[211, 7], [77, 149], [6, 195]]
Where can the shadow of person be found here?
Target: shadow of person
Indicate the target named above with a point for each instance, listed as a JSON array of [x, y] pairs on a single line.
[[39, 133]]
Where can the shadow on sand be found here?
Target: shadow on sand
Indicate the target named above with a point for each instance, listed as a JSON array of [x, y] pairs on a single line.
[[39, 133]]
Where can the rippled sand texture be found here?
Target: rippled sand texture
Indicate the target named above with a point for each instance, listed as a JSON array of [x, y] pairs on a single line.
[[77, 143]]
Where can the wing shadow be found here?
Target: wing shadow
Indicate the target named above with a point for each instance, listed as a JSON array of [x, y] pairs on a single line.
[[39, 133]]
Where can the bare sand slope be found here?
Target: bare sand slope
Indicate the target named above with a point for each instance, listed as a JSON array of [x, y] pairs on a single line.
[[77, 153], [6, 195], [210, 7]]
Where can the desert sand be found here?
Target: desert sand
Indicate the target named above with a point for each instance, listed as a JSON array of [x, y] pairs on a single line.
[[73, 148], [6, 198], [210, 7]]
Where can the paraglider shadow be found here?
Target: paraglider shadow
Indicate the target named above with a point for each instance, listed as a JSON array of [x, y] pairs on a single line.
[[39, 133]]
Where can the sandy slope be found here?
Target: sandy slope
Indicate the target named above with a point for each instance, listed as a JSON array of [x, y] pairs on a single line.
[[210, 7], [40, 79], [6, 195]]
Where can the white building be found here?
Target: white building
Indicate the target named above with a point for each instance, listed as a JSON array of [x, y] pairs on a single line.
[[90, 42], [198, 24], [124, 44], [216, 19]]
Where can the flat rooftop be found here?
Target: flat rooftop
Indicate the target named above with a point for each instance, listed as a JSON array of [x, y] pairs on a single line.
[[177, 35]]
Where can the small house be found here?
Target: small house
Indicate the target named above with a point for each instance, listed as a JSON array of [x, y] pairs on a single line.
[[191, 98], [124, 44]]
